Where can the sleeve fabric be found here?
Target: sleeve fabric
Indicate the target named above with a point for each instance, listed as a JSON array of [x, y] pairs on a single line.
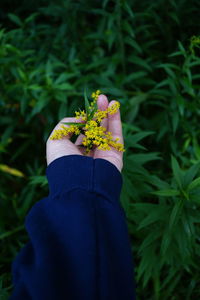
[[79, 247]]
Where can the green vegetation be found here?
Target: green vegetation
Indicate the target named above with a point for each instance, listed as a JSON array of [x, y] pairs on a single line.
[[146, 55]]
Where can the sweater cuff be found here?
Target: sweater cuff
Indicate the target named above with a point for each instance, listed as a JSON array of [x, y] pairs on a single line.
[[77, 171]]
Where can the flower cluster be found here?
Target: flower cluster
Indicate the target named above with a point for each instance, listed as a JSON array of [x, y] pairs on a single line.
[[94, 133], [81, 114], [60, 133], [194, 42], [95, 95]]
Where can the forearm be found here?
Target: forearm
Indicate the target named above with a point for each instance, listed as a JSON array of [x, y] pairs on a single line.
[[79, 244]]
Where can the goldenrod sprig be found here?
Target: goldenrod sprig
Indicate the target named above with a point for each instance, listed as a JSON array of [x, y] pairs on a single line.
[[94, 133]]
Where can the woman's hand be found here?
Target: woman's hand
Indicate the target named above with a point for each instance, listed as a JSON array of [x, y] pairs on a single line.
[[58, 148]]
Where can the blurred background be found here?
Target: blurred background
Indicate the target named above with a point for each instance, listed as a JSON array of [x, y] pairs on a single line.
[[146, 55]]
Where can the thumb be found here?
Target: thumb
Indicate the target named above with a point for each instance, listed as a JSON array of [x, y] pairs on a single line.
[[61, 147]]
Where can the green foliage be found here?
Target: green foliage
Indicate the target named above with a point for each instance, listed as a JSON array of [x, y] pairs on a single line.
[[145, 54]]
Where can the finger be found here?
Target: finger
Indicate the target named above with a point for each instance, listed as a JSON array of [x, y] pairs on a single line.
[[115, 125], [61, 147], [102, 104]]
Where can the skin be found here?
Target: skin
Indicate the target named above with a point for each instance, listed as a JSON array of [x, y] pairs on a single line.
[[58, 148]]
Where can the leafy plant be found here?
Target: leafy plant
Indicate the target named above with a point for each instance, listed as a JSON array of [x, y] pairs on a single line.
[[146, 55]]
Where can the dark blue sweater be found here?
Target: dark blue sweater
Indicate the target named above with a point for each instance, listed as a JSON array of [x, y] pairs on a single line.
[[79, 246]]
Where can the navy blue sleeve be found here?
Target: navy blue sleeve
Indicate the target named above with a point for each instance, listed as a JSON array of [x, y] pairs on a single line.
[[79, 247]]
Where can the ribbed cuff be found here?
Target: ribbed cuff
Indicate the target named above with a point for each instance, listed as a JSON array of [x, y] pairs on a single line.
[[77, 171]]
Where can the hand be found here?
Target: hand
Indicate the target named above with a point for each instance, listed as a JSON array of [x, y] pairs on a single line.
[[58, 148]]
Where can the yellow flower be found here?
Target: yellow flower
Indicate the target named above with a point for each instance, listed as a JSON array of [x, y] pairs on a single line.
[[100, 115], [60, 133], [96, 94], [194, 42], [117, 146], [114, 108], [81, 114], [104, 146], [90, 124]]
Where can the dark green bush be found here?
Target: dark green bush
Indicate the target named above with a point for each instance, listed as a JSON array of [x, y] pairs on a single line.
[[141, 53]]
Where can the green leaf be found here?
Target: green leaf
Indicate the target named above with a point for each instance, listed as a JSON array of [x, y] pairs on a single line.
[[64, 87], [147, 264], [191, 173], [165, 243], [93, 111], [166, 193], [144, 158], [31, 17], [156, 215], [175, 214], [182, 49], [38, 180], [129, 10], [87, 104], [140, 135], [136, 76], [150, 239], [132, 139], [39, 106], [195, 183], [63, 110], [177, 171], [15, 19], [74, 123], [175, 54], [175, 121]]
